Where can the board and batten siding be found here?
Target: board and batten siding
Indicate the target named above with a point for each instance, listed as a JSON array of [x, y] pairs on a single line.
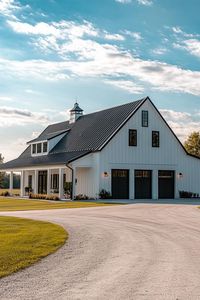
[[117, 154]]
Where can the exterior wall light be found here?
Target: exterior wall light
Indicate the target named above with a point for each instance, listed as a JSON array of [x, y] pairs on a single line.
[[105, 174], [180, 175]]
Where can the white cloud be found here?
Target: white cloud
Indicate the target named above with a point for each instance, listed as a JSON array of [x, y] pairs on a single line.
[[30, 91], [145, 2], [114, 37], [187, 41], [177, 29], [192, 46], [159, 51], [13, 148], [61, 30], [126, 85], [182, 123], [124, 1], [136, 35], [10, 116], [83, 56], [8, 6], [5, 99], [141, 2]]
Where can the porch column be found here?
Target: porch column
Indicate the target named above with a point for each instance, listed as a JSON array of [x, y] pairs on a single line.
[[22, 184], [74, 182], [61, 194], [36, 182], [48, 181], [11, 182]]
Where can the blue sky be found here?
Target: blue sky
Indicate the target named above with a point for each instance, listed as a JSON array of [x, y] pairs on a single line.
[[101, 53]]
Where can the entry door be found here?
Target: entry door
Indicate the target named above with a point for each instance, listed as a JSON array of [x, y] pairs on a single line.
[[143, 184], [165, 184], [42, 182], [120, 184]]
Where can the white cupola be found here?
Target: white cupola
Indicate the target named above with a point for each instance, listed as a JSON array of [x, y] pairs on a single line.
[[75, 113]]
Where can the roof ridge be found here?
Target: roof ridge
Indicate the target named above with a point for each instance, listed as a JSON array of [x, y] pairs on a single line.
[[113, 107]]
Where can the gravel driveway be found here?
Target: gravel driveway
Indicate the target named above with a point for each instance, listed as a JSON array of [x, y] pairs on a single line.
[[140, 251]]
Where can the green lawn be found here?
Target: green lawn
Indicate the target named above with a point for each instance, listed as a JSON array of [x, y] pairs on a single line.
[[23, 242], [12, 204]]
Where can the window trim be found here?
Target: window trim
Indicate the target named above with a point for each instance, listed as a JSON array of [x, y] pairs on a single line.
[[157, 145], [145, 124], [129, 139]]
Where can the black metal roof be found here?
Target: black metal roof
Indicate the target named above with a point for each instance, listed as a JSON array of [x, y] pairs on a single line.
[[48, 136], [89, 133], [50, 159]]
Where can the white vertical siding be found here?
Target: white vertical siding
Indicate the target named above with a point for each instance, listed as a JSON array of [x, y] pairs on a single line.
[[169, 156], [87, 175]]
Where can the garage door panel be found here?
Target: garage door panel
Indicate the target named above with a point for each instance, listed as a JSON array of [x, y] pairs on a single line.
[[166, 184], [143, 184], [120, 184]]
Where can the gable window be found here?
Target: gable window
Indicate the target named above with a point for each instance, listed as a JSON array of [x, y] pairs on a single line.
[[145, 120], [132, 137], [45, 147], [155, 139]]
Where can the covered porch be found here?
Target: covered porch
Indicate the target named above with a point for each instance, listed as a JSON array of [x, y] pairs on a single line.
[[64, 182]]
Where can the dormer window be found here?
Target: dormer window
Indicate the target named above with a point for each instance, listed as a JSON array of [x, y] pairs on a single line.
[[40, 148], [45, 147], [34, 149]]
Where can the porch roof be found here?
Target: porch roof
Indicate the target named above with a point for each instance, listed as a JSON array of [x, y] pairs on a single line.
[[50, 159]]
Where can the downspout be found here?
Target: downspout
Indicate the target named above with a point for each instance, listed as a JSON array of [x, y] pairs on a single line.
[[72, 189]]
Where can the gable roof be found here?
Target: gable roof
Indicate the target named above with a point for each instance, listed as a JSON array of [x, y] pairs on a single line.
[[89, 133]]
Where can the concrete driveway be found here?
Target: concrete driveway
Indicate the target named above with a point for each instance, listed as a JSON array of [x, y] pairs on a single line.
[[139, 251]]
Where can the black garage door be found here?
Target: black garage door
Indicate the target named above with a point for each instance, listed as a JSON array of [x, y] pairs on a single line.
[[165, 184], [120, 184], [143, 184]]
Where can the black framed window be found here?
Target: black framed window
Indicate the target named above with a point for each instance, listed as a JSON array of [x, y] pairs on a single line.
[[155, 139], [132, 137], [145, 118], [34, 148], [39, 148], [45, 147]]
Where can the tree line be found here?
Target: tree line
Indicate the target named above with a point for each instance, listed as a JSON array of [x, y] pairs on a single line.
[[5, 178]]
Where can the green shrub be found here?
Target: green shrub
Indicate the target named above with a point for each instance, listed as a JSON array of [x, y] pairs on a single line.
[[5, 194], [81, 197], [185, 194], [105, 194]]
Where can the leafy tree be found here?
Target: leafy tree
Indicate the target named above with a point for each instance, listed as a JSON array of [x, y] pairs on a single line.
[[192, 144]]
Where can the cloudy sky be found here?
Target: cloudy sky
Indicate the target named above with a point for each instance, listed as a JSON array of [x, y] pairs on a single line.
[[101, 53]]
